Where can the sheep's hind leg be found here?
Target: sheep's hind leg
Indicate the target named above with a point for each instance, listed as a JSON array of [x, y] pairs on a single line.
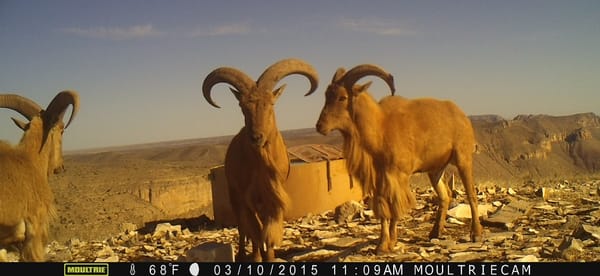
[[466, 175], [442, 191]]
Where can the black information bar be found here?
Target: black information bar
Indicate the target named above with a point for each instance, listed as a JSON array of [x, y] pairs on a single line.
[[299, 269]]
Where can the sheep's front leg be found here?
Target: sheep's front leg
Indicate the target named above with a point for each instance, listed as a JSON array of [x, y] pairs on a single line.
[[393, 230], [256, 251], [269, 254], [384, 237], [33, 246], [395, 191], [382, 208], [12, 234], [241, 255]]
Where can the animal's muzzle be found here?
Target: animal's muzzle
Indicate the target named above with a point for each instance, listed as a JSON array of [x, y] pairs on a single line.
[[59, 169], [321, 128], [258, 139]]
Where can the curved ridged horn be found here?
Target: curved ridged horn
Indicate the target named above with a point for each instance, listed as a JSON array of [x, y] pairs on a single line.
[[356, 73], [283, 68], [232, 76], [24, 106], [57, 107]]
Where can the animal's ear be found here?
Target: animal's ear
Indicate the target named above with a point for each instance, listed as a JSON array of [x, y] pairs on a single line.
[[278, 91], [359, 88], [236, 93], [22, 125], [339, 73]]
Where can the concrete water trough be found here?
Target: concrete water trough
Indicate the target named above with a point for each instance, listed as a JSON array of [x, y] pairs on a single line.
[[318, 182]]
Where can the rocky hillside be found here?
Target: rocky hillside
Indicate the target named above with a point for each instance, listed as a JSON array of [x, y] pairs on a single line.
[[537, 146]]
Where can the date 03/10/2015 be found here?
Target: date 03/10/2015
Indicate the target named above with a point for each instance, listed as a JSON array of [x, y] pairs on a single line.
[[335, 269]]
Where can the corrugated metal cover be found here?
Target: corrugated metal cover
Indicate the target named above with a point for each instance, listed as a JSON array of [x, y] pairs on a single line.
[[314, 152]]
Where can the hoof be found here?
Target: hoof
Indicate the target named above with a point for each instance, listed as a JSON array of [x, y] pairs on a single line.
[[392, 246], [383, 249], [268, 256], [435, 235], [269, 260], [476, 233], [240, 257], [476, 238], [257, 258]]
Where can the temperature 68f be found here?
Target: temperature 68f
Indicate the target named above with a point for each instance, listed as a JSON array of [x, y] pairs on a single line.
[[163, 269]]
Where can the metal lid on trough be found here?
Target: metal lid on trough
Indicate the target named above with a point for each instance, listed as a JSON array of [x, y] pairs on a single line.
[[310, 153]]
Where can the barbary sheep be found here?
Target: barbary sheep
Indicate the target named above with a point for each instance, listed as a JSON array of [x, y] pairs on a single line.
[[26, 199], [256, 162], [386, 142]]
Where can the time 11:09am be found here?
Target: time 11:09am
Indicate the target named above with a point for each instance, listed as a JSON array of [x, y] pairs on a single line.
[[367, 269]]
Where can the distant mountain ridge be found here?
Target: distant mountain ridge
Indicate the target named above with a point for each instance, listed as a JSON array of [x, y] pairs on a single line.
[[525, 147], [540, 145]]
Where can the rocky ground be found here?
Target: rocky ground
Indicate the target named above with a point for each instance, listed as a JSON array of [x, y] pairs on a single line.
[[557, 221]]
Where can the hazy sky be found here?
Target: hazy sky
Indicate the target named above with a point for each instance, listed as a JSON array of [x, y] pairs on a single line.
[[139, 65]]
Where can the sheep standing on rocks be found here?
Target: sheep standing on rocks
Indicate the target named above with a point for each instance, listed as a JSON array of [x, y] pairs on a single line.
[[386, 142], [256, 162], [26, 199]]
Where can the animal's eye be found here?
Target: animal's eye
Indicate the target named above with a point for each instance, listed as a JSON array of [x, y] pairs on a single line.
[[342, 98]]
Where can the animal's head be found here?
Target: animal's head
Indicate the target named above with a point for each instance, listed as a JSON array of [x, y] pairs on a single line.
[[257, 99], [342, 93], [48, 123]]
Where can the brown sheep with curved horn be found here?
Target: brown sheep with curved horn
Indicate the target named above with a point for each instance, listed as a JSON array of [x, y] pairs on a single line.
[[26, 199], [386, 142], [256, 162]]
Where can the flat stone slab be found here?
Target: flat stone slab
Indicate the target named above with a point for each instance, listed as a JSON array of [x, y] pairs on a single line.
[[211, 252], [506, 216], [342, 242], [463, 211], [468, 256]]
